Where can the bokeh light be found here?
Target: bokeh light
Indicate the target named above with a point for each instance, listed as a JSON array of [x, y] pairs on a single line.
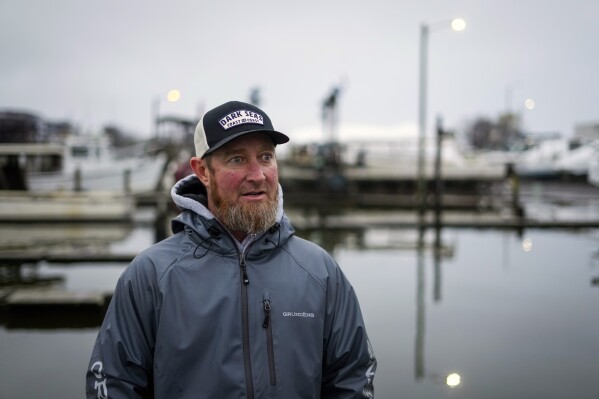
[[458, 24], [527, 245], [529, 103], [453, 380], [173, 95]]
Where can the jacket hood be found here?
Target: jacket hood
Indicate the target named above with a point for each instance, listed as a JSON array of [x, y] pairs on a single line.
[[189, 194]]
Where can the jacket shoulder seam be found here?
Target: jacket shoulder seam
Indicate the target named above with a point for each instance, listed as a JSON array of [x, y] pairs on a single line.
[[307, 270]]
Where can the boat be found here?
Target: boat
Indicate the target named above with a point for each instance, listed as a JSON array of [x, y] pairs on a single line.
[[386, 174], [577, 161], [593, 176], [540, 161], [89, 163], [393, 160]]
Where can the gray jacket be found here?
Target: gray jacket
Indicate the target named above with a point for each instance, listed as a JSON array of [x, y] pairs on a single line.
[[199, 315]]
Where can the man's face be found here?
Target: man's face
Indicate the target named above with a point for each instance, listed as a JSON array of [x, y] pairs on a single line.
[[242, 183]]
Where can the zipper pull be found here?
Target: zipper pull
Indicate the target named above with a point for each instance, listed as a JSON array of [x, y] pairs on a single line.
[[244, 273], [266, 313]]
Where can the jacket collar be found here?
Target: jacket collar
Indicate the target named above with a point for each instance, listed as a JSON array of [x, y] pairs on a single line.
[[189, 194]]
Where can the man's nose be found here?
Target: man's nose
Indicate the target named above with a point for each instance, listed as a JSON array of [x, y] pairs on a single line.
[[255, 172]]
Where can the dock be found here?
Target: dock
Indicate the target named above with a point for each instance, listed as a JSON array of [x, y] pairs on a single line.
[[34, 297], [65, 206], [347, 201], [20, 257], [359, 220], [50, 308], [47, 306]]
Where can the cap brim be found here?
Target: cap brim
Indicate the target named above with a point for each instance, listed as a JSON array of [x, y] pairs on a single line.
[[276, 137]]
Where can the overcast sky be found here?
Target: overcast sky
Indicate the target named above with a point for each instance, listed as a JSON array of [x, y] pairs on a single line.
[[105, 61]]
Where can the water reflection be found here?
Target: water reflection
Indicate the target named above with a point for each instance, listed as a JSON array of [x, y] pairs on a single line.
[[448, 310], [527, 245], [527, 305], [17, 275], [419, 362], [420, 309], [400, 239], [34, 293], [453, 380]]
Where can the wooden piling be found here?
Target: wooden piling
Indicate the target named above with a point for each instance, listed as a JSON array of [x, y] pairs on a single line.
[[78, 183]]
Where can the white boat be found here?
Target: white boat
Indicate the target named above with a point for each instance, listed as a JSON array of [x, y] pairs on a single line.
[[577, 161], [395, 160], [593, 176], [541, 160], [89, 163]]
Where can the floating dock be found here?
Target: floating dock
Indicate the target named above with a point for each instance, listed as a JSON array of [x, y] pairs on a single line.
[[65, 206], [50, 308]]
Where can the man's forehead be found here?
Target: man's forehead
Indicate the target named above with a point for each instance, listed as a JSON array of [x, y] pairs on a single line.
[[242, 143]]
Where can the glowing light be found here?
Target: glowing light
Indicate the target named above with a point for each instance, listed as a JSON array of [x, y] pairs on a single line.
[[458, 24], [527, 245], [453, 380], [529, 103], [173, 95]]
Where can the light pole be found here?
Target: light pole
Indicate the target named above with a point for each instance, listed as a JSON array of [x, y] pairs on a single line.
[[329, 115], [457, 24], [172, 96], [509, 94]]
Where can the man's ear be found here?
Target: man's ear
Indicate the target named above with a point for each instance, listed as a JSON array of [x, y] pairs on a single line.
[[199, 167]]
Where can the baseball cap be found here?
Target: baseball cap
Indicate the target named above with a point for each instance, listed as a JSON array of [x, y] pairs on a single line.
[[230, 121]]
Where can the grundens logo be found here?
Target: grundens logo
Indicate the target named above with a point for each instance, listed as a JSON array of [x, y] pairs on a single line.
[[297, 314]]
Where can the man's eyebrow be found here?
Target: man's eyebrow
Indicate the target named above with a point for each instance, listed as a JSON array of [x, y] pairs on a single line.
[[233, 150]]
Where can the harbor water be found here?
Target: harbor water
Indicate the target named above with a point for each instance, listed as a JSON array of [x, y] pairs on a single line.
[[458, 313]]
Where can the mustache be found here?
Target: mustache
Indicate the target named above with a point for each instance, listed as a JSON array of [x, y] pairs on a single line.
[[249, 218]]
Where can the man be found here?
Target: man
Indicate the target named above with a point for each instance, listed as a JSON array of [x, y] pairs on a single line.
[[233, 305]]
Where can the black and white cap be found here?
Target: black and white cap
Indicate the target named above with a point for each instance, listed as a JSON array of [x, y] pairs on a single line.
[[230, 121]]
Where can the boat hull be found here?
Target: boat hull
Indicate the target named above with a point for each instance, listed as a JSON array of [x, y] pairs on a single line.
[[139, 175]]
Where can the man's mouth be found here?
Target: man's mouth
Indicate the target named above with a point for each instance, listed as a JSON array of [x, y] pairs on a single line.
[[253, 194]]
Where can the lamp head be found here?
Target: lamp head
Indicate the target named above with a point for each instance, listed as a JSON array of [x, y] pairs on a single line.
[[458, 24]]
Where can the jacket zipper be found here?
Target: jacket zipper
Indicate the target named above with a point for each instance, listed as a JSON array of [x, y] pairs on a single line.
[[267, 324], [249, 384], [244, 272]]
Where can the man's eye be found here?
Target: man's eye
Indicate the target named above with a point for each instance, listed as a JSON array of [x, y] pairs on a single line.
[[267, 157], [235, 160]]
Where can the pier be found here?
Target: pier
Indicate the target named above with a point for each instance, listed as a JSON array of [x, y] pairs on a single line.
[[26, 304], [48, 308], [336, 198]]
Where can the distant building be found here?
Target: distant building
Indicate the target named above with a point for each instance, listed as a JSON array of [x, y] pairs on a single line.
[[21, 127], [587, 131], [26, 127], [58, 130]]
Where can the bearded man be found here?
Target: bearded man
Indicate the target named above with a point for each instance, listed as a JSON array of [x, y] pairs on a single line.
[[233, 304]]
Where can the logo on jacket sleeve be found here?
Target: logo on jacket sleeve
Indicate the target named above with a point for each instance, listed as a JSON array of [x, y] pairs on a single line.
[[100, 383]]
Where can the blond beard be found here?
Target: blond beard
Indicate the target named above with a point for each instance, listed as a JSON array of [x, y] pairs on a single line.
[[249, 218]]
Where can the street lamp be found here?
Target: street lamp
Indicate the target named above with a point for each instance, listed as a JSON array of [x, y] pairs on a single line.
[[529, 104], [172, 96], [457, 24]]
